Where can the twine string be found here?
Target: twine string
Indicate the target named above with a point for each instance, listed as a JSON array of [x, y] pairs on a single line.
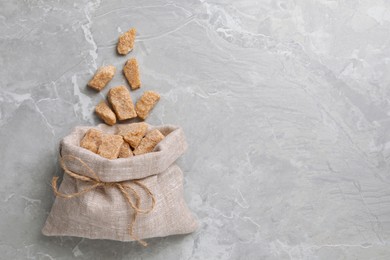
[[127, 191]]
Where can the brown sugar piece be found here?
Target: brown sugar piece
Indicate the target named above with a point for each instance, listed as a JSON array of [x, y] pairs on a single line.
[[102, 77], [105, 113], [133, 133], [126, 42], [146, 103], [148, 143], [125, 151], [121, 102], [110, 146], [92, 140], [132, 73]]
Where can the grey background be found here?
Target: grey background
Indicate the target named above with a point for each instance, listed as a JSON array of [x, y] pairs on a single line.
[[285, 104]]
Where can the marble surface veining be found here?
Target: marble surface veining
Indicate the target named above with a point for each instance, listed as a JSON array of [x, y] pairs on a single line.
[[285, 104]]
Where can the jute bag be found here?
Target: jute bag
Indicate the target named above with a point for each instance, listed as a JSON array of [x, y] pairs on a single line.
[[124, 199]]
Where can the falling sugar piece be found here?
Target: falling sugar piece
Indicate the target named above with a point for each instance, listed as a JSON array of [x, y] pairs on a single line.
[[126, 42], [105, 113], [146, 103], [121, 102], [102, 77], [132, 73]]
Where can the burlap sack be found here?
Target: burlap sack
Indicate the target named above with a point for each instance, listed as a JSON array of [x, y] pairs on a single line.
[[103, 212]]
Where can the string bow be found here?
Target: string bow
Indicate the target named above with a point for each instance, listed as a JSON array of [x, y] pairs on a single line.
[[95, 182]]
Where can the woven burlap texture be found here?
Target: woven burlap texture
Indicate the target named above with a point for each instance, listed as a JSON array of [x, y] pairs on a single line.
[[103, 213]]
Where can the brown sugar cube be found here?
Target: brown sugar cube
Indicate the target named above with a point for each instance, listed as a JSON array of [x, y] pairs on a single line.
[[126, 128], [133, 133], [132, 73], [92, 140], [125, 151], [102, 77], [110, 146], [126, 42], [146, 103], [148, 143], [105, 113], [121, 102]]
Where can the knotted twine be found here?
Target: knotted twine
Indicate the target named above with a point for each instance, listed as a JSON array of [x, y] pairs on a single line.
[[96, 182]]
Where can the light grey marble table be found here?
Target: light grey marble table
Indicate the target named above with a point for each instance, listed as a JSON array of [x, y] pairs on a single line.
[[285, 104]]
